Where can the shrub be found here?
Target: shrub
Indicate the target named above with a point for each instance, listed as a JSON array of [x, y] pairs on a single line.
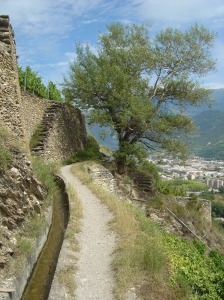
[[44, 172], [91, 152], [150, 169], [156, 203], [218, 209]]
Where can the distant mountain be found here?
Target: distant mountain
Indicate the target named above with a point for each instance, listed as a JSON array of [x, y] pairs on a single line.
[[109, 141], [209, 140], [218, 96]]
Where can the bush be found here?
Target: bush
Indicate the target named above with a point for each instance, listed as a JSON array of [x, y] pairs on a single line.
[[44, 172], [89, 153], [207, 195], [218, 209], [156, 203]]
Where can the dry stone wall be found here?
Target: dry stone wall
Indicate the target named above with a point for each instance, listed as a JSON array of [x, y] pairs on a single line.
[[11, 113], [33, 107], [67, 135]]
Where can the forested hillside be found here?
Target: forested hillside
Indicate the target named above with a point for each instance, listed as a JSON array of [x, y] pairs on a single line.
[[209, 140]]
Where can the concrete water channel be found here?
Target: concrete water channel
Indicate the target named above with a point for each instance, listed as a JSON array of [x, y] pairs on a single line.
[[39, 284]]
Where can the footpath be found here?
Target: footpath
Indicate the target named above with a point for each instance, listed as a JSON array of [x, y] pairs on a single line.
[[94, 276]]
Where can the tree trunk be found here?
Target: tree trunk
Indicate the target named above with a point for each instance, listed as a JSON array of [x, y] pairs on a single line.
[[121, 166]]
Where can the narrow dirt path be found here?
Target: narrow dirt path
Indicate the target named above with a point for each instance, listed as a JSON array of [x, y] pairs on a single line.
[[94, 277]]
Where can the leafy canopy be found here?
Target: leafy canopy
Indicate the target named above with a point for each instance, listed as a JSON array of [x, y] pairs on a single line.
[[139, 87], [30, 80]]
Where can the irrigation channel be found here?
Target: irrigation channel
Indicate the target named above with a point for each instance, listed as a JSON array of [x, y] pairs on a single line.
[[39, 284]]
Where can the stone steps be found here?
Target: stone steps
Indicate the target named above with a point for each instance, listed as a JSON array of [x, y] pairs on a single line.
[[47, 124]]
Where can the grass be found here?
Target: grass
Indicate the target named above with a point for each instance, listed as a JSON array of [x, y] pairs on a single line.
[[44, 173], [36, 136], [34, 226], [5, 155], [76, 215], [137, 254], [66, 278]]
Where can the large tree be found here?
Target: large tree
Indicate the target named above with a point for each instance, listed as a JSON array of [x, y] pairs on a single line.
[[139, 87]]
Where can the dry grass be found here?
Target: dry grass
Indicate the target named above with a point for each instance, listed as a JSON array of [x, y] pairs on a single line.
[[66, 278], [76, 215], [136, 257]]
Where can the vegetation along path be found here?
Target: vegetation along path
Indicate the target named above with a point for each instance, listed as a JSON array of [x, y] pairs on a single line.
[[94, 278]]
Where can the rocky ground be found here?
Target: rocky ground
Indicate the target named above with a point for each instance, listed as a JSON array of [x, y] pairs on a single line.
[[20, 194]]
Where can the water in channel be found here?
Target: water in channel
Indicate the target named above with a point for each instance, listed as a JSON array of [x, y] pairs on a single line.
[[38, 287]]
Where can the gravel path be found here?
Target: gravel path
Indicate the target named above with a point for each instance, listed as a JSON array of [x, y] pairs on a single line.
[[94, 277]]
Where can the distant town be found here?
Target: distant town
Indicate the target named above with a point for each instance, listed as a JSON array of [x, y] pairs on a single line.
[[210, 172]]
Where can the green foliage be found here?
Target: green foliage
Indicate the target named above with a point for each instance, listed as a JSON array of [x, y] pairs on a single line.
[[199, 246], [207, 195], [187, 262], [90, 152], [44, 172], [221, 190], [218, 208], [218, 259], [5, 155], [54, 93], [172, 189], [34, 227], [24, 247], [150, 168], [193, 203], [131, 79], [156, 203], [179, 187], [35, 137], [33, 83]]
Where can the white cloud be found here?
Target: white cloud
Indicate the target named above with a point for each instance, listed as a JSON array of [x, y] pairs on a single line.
[[44, 17], [71, 56], [177, 11]]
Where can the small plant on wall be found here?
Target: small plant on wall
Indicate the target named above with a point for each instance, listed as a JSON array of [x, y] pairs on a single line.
[[36, 136]]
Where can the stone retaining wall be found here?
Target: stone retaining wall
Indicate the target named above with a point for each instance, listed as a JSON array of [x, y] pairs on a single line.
[[33, 107], [11, 113], [68, 134]]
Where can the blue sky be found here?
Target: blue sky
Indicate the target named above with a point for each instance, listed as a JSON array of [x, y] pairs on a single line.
[[46, 30]]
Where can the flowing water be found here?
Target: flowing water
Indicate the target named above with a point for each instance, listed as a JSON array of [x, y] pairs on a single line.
[[39, 285]]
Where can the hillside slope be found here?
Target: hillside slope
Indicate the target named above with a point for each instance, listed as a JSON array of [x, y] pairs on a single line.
[[209, 139]]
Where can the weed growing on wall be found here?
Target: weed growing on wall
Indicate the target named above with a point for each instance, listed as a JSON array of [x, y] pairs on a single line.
[[5, 155], [36, 136], [44, 172]]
